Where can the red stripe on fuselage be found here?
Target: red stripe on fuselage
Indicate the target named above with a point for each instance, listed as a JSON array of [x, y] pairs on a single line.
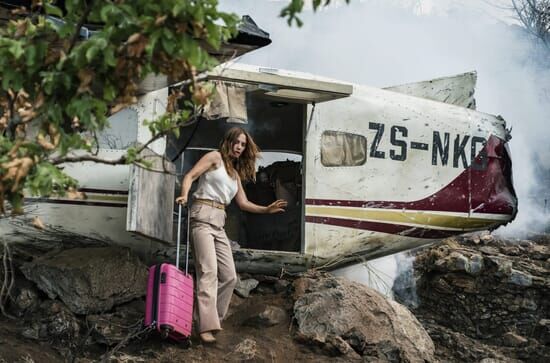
[[483, 191]]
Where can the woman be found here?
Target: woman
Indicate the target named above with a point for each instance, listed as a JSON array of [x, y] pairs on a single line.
[[221, 173]]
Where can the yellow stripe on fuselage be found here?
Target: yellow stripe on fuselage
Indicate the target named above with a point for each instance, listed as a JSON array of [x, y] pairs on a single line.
[[441, 220]]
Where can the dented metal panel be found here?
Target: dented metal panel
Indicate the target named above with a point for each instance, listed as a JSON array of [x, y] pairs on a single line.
[[456, 90], [151, 197]]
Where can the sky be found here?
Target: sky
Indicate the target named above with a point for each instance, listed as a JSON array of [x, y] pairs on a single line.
[[388, 42]]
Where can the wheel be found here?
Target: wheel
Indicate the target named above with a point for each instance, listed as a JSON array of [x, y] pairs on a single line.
[[186, 344], [165, 331]]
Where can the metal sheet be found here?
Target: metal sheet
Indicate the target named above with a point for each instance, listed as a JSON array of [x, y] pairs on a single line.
[[456, 90], [151, 198]]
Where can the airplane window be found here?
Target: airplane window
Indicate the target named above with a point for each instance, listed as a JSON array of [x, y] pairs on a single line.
[[343, 149]]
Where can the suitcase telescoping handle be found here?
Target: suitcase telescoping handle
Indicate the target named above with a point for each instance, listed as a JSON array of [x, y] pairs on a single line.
[[179, 241]]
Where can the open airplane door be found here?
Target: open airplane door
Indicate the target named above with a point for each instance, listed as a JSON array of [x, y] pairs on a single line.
[[151, 186], [151, 197]]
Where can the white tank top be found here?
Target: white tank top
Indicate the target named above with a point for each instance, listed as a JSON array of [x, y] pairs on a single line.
[[216, 185]]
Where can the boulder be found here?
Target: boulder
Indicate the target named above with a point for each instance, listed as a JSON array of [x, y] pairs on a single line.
[[244, 287], [329, 309], [89, 280], [265, 316]]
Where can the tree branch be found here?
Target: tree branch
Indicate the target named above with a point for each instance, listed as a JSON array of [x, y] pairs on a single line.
[[81, 158], [81, 22]]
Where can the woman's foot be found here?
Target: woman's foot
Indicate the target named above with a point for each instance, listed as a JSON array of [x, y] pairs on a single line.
[[207, 337]]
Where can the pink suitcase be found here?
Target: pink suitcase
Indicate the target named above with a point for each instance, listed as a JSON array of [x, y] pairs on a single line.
[[169, 299]]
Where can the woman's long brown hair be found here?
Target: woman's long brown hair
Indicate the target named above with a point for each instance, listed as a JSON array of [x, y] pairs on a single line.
[[245, 165]]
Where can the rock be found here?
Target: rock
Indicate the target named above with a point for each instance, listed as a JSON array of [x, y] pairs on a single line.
[[330, 307], [457, 262], [265, 316], [89, 280], [31, 332], [110, 329], [245, 350], [514, 340], [265, 289], [53, 322], [244, 287], [335, 345], [126, 358], [356, 339], [489, 250], [24, 297], [542, 331], [470, 315], [504, 266], [25, 359], [266, 278], [384, 351], [475, 265], [281, 285], [520, 278], [525, 243]]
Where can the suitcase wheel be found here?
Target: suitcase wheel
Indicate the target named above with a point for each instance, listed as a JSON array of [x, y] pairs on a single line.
[[186, 344], [165, 331]]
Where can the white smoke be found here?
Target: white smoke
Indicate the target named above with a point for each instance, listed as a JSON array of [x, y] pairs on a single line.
[[389, 42]]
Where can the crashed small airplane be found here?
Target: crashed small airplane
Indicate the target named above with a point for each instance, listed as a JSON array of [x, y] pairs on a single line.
[[367, 172]]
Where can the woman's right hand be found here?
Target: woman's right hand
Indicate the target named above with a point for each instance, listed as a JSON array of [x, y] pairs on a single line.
[[181, 200]]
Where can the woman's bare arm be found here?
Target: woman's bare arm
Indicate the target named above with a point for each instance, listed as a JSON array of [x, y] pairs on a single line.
[[246, 205], [207, 162]]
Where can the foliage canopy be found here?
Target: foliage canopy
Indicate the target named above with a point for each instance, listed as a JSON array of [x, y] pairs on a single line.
[[58, 84]]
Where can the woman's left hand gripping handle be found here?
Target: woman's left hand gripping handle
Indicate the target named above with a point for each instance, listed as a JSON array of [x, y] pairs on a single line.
[[182, 200]]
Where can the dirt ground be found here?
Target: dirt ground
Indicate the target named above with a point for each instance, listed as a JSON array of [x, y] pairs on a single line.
[[235, 343]]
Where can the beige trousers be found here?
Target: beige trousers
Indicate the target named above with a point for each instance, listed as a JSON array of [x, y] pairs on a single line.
[[214, 265]]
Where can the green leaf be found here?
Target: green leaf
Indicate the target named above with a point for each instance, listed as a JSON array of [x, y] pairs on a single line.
[[109, 57], [168, 46], [109, 92], [30, 55], [52, 10], [108, 12], [176, 132], [16, 48], [92, 52], [178, 8]]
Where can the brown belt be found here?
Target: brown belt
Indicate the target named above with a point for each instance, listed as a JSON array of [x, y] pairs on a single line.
[[210, 203]]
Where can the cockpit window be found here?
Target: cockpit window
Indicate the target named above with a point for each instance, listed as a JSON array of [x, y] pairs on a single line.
[[343, 149]]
